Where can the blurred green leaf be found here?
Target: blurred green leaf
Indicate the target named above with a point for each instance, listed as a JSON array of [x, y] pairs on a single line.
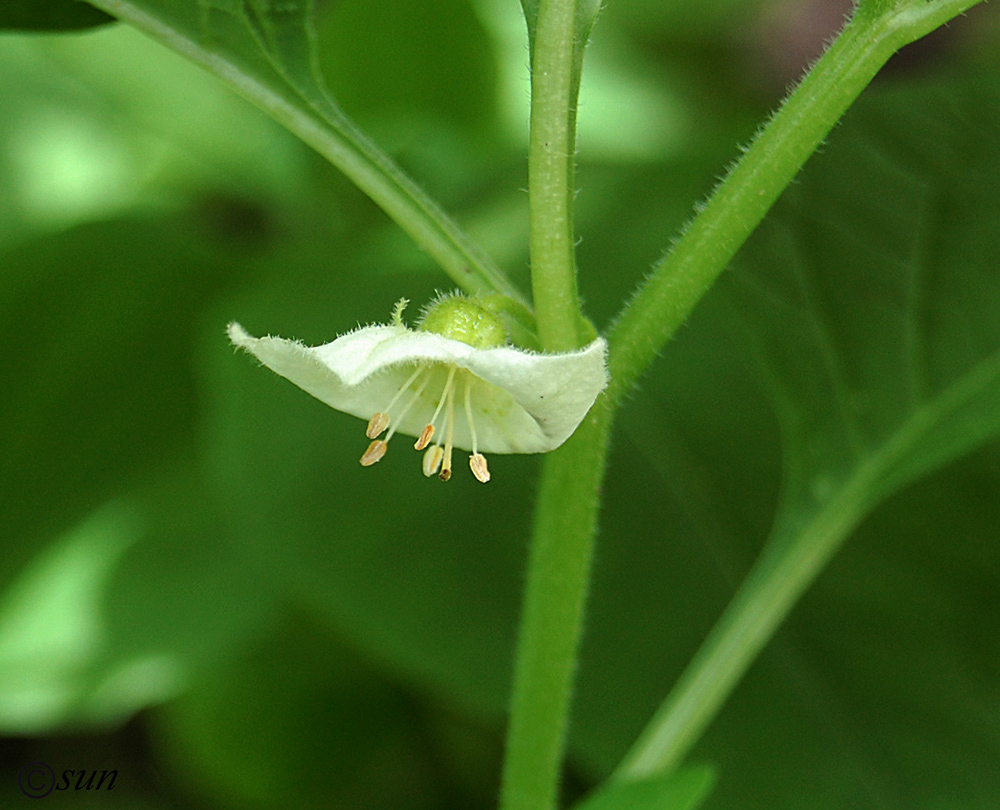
[[299, 718], [99, 395], [241, 493], [427, 576], [52, 625], [424, 68], [863, 399], [685, 789], [91, 131], [868, 301], [51, 15], [86, 361], [267, 51], [875, 314]]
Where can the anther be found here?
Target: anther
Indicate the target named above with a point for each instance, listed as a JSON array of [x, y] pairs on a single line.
[[432, 460], [425, 437], [378, 423], [374, 452], [477, 462]]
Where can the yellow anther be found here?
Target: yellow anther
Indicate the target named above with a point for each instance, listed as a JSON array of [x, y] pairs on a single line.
[[378, 423], [477, 462], [425, 437], [432, 460], [374, 452]]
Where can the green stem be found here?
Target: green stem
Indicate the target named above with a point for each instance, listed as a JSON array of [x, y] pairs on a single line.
[[551, 154], [555, 594], [785, 570], [335, 137], [566, 515], [780, 149], [778, 579]]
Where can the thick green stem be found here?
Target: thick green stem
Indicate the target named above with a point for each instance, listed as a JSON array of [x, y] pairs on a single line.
[[555, 594], [551, 156], [566, 516]]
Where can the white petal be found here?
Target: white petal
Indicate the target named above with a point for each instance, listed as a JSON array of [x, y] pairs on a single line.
[[522, 402]]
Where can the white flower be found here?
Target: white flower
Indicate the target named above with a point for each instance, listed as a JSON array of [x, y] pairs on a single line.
[[465, 386]]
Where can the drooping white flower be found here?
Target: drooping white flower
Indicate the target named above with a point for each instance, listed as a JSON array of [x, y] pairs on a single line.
[[454, 378]]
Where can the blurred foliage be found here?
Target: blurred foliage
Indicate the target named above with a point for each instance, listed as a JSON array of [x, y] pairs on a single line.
[[52, 15], [189, 538]]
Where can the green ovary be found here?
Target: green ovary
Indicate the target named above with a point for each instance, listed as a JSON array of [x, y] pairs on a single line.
[[464, 320]]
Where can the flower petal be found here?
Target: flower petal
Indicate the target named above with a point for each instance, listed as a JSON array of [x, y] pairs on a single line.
[[522, 402]]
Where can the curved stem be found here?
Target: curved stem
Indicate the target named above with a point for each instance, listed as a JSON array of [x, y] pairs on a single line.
[[773, 587], [741, 201], [784, 570]]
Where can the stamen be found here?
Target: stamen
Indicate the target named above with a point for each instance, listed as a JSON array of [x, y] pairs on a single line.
[[409, 404], [437, 410], [449, 430], [425, 437], [432, 460], [477, 462], [378, 423], [374, 452], [468, 414], [380, 420], [420, 370]]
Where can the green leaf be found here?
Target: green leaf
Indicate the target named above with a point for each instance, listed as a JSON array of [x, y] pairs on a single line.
[[427, 577], [295, 717], [869, 302], [685, 789], [454, 86], [59, 301], [98, 620], [50, 15], [267, 52], [875, 320]]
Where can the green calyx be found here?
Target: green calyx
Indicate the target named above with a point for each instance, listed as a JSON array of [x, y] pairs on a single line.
[[472, 321]]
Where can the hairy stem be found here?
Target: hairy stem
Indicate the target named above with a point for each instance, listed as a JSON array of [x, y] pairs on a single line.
[[566, 514], [784, 571], [555, 595], [551, 154], [780, 149]]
